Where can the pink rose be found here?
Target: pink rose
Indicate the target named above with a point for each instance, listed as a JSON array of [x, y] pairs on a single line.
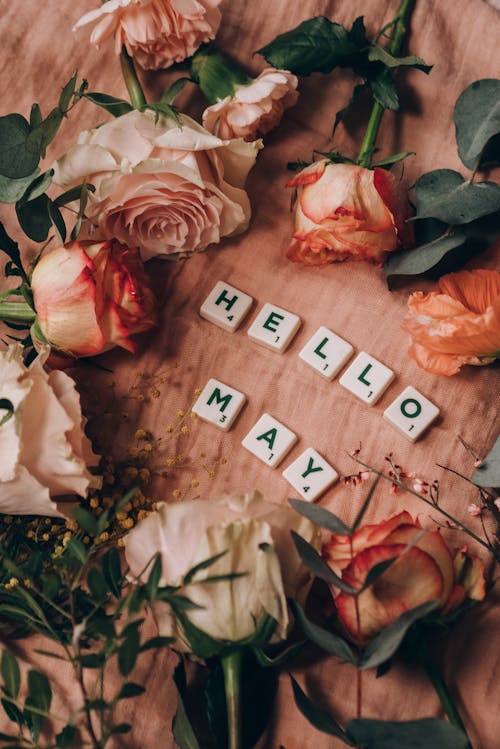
[[170, 190], [156, 33], [91, 297], [346, 211], [45, 452], [254, 109]]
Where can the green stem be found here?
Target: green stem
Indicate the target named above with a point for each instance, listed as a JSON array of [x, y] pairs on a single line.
[[442, 691], [231, 667], [394, 47], [16, 311], [134, 88]]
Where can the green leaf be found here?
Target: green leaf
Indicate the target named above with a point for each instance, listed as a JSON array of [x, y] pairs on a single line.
[[92, 660], [10, 247], [216, 74], [384, 89], [380, 54], [34, 218], [112, 572], [174, 90], [189, 577], [97, 585], [121, 728], [74, 193], [37, 186], [477, 119], [315, 46], [377, 571], [116, 107], [317, 565], [154, 578], [445, 195], [12, 712], [43, 134], [156, 642], [341, 114], [67, 93], [391, 160], [8, 406], [385, 644], [201, 644], [182, 730], [35, 116], [67, 737], [488, 474], [11, 674], [319, 516], [267, 661], [76, 549], [364, 507], [85, 520], [12, 190], [57, 221], [317, 717], [128, 652], [130, 689], [128, 496], [17, 157], [425, 257], [427, 733], [324, 639]]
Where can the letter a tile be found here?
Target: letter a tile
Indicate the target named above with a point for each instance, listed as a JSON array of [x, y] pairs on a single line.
[[274, 327], [226, 306], [219, 404], [411, 413], [269, 440], [310, 475], [326, 353], [367, 378]]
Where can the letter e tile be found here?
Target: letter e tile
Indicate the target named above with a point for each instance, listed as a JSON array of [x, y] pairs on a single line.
[[367, 378], [411, 413], [310, 475], [219, 404], [274, 327], [226, 306], [326, 353], [269, 440]]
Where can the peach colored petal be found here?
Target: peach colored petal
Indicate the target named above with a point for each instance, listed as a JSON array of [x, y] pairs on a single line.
[[476, 290]]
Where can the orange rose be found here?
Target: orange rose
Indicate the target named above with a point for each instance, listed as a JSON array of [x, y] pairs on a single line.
[[156, 33], [346, 211], [458, 324], [91, 297], [424, 570]]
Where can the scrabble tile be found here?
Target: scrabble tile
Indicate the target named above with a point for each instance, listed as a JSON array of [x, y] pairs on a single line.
[[219, 404], [269, 440], [367, 378], [411, 413], [310, 475], [326, 353], [274, 327], [226, 306]]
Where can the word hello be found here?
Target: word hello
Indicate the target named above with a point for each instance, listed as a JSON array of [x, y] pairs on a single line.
[[270, 440]]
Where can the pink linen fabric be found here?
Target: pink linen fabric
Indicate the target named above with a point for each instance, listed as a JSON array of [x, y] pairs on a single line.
[[460, 39]]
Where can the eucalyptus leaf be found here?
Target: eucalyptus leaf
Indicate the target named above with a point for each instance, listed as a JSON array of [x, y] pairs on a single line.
[[128, 652], [34, 218], [154, 578], [377, 571], [320, 516], [444, 194], [35, 116], [317, 565], [328, 641], [116, 107], [130, 689], [317, 717], [40, 137], [9, 247], [364, 507], [425, 257], [17, 157], [488, 474], [385, 644], [11, 673], [477, 119], [189, 577], [37, 186], [111, 570], [39, 690], [97, 585], [12, 190], [57, 221], [67, 92], [74, 193], [427, 733], [182, 730], [380, 54]]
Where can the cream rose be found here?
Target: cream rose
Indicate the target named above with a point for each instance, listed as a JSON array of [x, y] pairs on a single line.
[[44, 450], [156, 33], [170, 190], [255, 535], [255, 108]]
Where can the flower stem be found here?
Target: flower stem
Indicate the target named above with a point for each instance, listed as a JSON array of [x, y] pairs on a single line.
[[394, 47], [16, 311], [231, 667], [442, 691], [134, 88]]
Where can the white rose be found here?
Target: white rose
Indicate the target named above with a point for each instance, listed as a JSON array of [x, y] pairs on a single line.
[[44, 450]]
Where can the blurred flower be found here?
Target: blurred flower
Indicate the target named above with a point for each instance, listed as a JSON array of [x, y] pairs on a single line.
[[457, 324], [170, 190], [156, 33], [255, 535], [424, 570], [345, 211], [255, 108], [91, 297], [45, 452]]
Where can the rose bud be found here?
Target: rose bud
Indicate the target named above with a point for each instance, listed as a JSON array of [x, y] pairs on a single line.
[[424, 570], [91, 297], [457, 324], [156, 33], [255, 536], [345, 211], [255, 108], [45, 452]]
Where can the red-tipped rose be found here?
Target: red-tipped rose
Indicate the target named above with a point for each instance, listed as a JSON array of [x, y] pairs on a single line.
[[345, 211], [91, 297], [424, 570]]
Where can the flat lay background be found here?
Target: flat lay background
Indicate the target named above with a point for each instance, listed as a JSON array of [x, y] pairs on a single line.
[[460, 39]]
